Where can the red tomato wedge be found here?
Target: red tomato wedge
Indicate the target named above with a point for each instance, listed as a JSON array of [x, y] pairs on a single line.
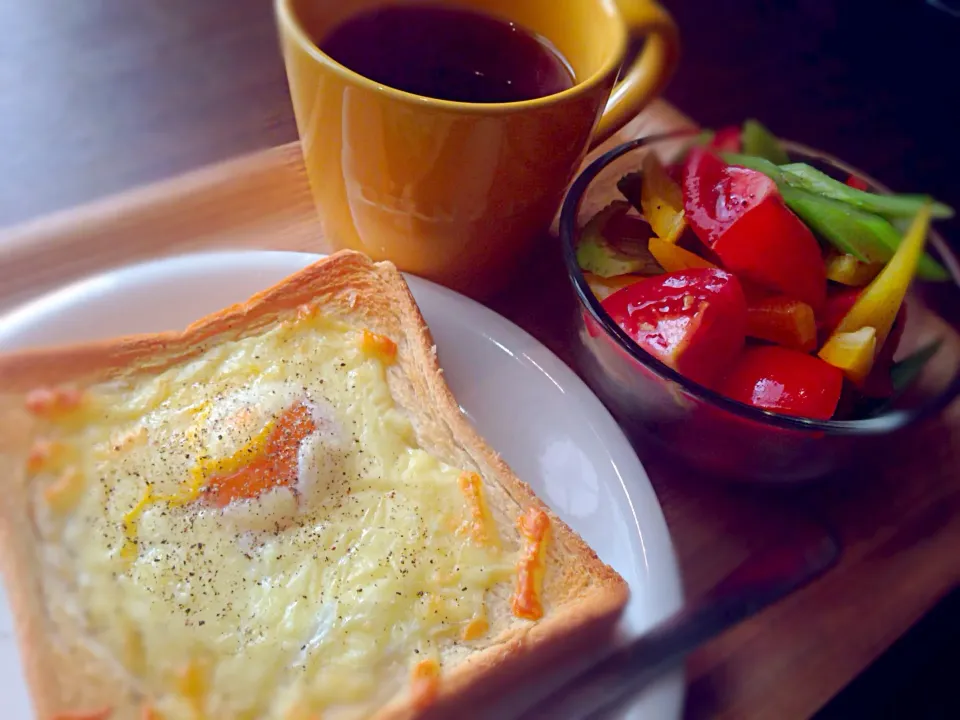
[[857, 183], [739, 214], [839, 302], [726, 139], [692, 320], [274, 464], [784, 381]]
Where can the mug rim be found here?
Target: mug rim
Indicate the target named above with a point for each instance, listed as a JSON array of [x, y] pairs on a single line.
[[287, 20]]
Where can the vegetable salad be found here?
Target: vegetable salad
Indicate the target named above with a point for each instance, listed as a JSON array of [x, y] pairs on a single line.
[[767, 280]]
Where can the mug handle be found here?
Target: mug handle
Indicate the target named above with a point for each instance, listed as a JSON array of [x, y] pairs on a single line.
[[650, 70]]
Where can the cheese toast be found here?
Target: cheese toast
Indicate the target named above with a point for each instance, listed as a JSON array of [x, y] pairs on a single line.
[[279, 513]]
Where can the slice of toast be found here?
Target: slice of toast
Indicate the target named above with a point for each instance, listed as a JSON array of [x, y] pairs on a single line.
[[190, 520]]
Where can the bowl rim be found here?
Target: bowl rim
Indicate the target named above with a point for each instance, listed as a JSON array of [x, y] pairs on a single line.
[[879, 424]]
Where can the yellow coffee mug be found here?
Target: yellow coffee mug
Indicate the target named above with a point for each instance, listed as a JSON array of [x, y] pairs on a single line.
[[459, 192]]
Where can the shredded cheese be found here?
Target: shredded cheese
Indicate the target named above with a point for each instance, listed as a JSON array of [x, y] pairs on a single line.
[[78, 715], [130, 548], [478, 523], [425, 683], [294, 596], [192, 685], [476, 628], [379, 346], [300, 711], [150, 713], [306, 311], [42, 454], [133, 651], [65, 492], [53, 402], [124, 440], [534, 526]]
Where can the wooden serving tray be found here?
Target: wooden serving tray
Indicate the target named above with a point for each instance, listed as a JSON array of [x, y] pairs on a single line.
[[898, 516], [256, 201]]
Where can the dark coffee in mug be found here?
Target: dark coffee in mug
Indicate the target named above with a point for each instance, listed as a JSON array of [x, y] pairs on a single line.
[[448, 54]]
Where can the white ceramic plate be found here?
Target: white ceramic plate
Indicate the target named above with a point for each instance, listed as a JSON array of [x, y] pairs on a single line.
[[531, 407]]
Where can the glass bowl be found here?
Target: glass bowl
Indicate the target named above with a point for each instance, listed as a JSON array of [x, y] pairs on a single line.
[[708, 430]]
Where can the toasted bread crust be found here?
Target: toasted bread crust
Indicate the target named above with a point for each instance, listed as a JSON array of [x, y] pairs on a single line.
[[584, 596]]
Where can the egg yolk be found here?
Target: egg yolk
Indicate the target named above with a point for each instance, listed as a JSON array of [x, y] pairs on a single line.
[[274, 464]]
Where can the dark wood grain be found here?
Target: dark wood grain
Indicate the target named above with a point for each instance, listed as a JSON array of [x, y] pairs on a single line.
[[101, 95]]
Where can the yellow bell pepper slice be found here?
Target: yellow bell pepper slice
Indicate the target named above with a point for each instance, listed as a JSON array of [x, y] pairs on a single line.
[[604, 287], [879, 303], [847, 270], [852, 353], [661, 200], [673, 257]]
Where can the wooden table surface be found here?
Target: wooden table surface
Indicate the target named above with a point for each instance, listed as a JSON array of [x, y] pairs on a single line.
[[98, 96]]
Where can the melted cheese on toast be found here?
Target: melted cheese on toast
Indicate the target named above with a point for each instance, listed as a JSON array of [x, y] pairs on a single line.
[[257, 534]]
